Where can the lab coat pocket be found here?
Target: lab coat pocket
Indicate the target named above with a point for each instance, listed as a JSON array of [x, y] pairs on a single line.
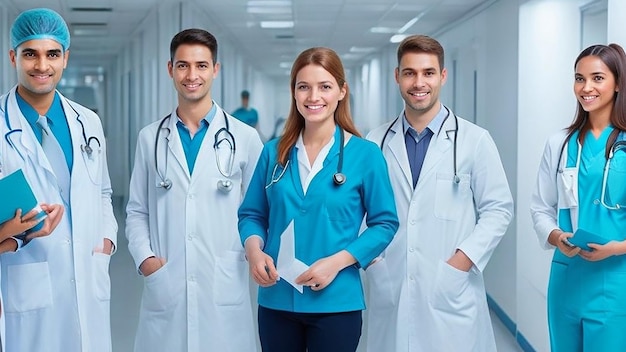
[[454, 309], [101, 278], [451, 198], [452, 293], [379, 286], [29, 287], [157, 293], [230, 277], [567, 186]]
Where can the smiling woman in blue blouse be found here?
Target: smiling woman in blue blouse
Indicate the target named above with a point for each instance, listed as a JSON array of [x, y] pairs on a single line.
[[322, 176]]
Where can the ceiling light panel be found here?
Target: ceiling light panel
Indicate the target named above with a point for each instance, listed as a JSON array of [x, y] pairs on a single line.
[[276, 24]]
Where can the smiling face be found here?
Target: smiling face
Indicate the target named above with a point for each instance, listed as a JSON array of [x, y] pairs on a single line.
[[420, 80], [193, 72], [39, 64], [317, 94], [594, 86]]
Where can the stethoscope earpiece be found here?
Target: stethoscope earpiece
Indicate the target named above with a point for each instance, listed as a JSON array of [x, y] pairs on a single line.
[[339, 178]]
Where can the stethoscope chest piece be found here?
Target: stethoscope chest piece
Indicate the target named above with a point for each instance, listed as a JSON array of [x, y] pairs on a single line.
[[166, 184], [339, 178], [87, 149], [225, 185]]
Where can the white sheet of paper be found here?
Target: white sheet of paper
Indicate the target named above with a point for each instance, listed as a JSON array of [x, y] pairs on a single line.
[[288, 267]]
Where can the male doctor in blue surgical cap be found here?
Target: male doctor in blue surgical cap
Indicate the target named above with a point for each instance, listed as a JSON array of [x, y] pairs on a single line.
[[56, 289]]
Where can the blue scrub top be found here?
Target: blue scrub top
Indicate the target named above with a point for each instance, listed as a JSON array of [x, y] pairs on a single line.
[[248, 116], [326, 220], [592, 216], [191, 145]]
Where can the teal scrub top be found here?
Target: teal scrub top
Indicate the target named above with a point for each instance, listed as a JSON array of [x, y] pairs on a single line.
[[248, 116], [191, 145], [592, 216], [326, 220]]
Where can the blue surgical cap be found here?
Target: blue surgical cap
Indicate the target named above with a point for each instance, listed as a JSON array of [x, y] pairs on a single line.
[[40, 23]]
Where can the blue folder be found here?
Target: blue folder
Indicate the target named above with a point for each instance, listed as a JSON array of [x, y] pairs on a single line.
[[582, 237], [16, 193]]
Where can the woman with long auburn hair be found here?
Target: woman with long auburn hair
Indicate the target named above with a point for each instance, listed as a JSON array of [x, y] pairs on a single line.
[[301, 218]]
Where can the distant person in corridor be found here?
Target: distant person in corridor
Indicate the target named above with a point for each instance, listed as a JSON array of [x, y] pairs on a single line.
[[245, 112]]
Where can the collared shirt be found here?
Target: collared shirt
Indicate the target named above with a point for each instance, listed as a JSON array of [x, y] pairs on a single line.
[[417, 142], [191, 144], [434, 125], [56, 121], [306, 170]]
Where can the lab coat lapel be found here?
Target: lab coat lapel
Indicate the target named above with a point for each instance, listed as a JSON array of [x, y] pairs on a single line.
[[440, 145], [27, 136], [206, 155], [75, 130], [398, 149], [175, 146]]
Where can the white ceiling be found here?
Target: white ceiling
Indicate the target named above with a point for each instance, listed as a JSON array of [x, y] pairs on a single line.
[[340, 24]]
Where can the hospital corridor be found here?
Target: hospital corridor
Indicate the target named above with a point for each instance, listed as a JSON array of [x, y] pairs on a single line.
[[285, 124]]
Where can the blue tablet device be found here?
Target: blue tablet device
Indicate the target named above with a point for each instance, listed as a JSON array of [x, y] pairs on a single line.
[[582, 237]]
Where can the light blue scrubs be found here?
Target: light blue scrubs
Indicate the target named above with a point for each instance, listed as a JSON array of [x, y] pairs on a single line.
[[326, 220], [57, 122], [587, 300]]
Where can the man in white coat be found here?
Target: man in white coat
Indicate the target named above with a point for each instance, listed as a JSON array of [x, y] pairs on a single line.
[[191, 171], [56, 289], [426, 291]]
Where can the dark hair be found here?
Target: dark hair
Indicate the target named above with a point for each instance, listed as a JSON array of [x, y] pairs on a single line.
[[245, 94], [330, 61], [421, 44], [194, 36], [614, 58]]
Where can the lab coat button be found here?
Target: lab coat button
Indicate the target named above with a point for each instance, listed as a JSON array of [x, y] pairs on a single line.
[[413, 222], [411, 249], [191, 196]]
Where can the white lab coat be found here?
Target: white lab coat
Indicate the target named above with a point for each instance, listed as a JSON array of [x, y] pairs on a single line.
[[200, 299], [551, 192], [417, 302], [56, 289]]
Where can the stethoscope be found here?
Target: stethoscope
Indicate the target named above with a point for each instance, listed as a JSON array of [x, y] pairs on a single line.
[[617, 146], [339, 178], [223, 135], [456, 178], [85, 147]]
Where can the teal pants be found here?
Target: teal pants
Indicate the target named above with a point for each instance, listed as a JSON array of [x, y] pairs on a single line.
[[587, 304]]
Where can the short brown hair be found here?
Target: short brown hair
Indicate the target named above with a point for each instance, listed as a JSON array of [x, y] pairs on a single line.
[[421, 44]]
